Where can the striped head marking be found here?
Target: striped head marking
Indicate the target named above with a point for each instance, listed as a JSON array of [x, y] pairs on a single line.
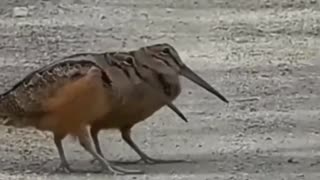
[[167, 54], [121, 59]]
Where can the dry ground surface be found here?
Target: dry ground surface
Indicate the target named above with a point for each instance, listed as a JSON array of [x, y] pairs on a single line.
[[263, 55]]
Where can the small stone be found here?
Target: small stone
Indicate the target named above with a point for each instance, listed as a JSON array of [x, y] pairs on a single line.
[[169, 10], [253, 109], [241, 40], [240, 135], [28, 171], [300, 175], [20, 11], [268, 138], [9, 130], [292, 161]]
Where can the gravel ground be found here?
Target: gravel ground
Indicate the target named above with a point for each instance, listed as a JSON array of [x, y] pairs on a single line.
[[263, 56]]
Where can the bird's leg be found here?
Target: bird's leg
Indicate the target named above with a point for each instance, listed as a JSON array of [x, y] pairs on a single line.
[[126, 135], [64, 165], [94, 134], [86, 143]]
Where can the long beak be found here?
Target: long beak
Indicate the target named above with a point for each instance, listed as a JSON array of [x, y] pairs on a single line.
[[177, 111], [188, 73]]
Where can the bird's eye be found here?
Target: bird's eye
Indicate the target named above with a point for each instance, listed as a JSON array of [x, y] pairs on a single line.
[[166, 50], [129, 60]]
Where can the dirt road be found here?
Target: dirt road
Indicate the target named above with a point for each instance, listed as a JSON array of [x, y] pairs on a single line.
[[263, 55]]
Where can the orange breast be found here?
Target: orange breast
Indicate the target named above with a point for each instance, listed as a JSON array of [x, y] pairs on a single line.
[[75, 104]]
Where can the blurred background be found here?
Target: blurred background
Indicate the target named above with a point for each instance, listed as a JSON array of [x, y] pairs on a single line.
[[263, 55]]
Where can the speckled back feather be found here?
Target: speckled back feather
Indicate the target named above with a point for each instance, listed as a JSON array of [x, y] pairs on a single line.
[[25, 98]]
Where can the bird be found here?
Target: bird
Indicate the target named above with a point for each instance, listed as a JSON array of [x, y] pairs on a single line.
[[118, 68], [160, 66], [63, 97], [138, 97]]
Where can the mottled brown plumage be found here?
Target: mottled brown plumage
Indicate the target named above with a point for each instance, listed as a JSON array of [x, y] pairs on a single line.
[[160, 66], [157, 66], [62, 97], [137, 96]]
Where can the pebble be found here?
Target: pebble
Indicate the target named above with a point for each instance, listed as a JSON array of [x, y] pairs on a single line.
[[293, 161], [20, 12], [169, 10]]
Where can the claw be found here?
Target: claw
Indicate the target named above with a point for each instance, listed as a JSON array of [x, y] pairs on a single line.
[[159, 161], [63, 168], [151, 161], [127, 171]]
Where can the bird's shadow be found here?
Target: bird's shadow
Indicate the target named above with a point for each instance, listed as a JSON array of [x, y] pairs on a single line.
[[249, 162]]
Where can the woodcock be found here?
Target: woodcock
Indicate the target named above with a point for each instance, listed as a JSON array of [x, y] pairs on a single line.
[[137, 97], [62, 97], [160, 66]]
